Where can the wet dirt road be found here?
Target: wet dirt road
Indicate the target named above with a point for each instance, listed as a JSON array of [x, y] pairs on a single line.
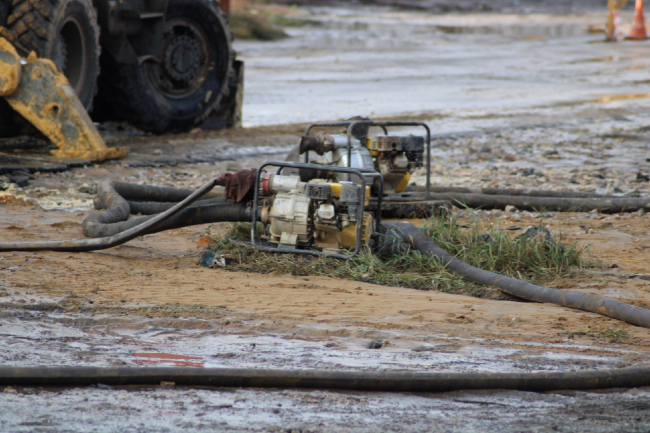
[[546, 108], [384, 63]]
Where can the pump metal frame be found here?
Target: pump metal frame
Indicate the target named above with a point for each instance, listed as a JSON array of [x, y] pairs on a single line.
[[360, 173], [350, 124]]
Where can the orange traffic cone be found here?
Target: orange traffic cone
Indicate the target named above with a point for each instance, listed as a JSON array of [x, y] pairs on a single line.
[[638, 24]]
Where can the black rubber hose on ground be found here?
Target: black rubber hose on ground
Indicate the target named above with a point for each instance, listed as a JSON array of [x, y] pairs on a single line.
[[150, 196], [510, 191], [390, 381], [79, 245], [557, 204], [194, 215], [151, 208], [131, 191], [113, 219], [522, 289]]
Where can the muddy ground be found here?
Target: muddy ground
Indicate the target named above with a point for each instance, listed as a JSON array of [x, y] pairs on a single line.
[[513, 100]]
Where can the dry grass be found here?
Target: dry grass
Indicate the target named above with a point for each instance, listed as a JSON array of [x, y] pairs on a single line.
[[265, 23], [536, 259]]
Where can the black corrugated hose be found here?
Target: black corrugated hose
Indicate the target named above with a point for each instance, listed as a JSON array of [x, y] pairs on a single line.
[[387, 381], [534, 203], [522, 289], [132, 191], [511, 191], [151, 208], [117, 210], [526, 199]]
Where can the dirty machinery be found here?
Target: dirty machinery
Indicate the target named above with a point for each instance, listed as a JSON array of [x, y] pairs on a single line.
[[395, 156], [314, 209], [335, 205], [42, 95], [317, 209], [323, 215], [163, 65]]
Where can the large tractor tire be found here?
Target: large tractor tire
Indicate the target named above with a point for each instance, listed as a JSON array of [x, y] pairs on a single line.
[[64, 31], [179, 92]]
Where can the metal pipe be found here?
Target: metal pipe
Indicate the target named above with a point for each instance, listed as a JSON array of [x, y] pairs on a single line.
[[345, 123]]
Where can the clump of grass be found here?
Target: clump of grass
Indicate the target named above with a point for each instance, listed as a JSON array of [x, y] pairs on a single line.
[[265, 23], [289, 21], [535, 259], [254, 24]]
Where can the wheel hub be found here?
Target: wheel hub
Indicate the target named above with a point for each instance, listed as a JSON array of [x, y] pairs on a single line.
[[186, 59], [182, 58]]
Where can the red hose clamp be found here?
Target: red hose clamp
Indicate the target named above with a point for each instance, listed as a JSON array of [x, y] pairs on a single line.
[[265, 176]]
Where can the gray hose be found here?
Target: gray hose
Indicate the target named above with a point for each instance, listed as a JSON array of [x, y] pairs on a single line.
[[390, 381], [521, 289], [78, 245]]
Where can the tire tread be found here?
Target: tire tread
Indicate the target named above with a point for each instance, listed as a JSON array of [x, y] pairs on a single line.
[[30, 23]]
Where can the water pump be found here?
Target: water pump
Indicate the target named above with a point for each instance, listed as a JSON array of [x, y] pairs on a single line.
[[305, 208], [395, 157]]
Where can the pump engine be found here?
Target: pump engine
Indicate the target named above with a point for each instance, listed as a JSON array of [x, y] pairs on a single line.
[[322, 215], [394, 157]]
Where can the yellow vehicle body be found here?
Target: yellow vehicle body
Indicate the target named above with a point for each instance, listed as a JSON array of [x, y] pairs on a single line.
[[41, 94]]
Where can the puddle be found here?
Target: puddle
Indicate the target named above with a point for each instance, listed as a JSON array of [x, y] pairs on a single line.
[[59, 339], [154, 409], [520, 31], [55, 339], [380, 63]]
